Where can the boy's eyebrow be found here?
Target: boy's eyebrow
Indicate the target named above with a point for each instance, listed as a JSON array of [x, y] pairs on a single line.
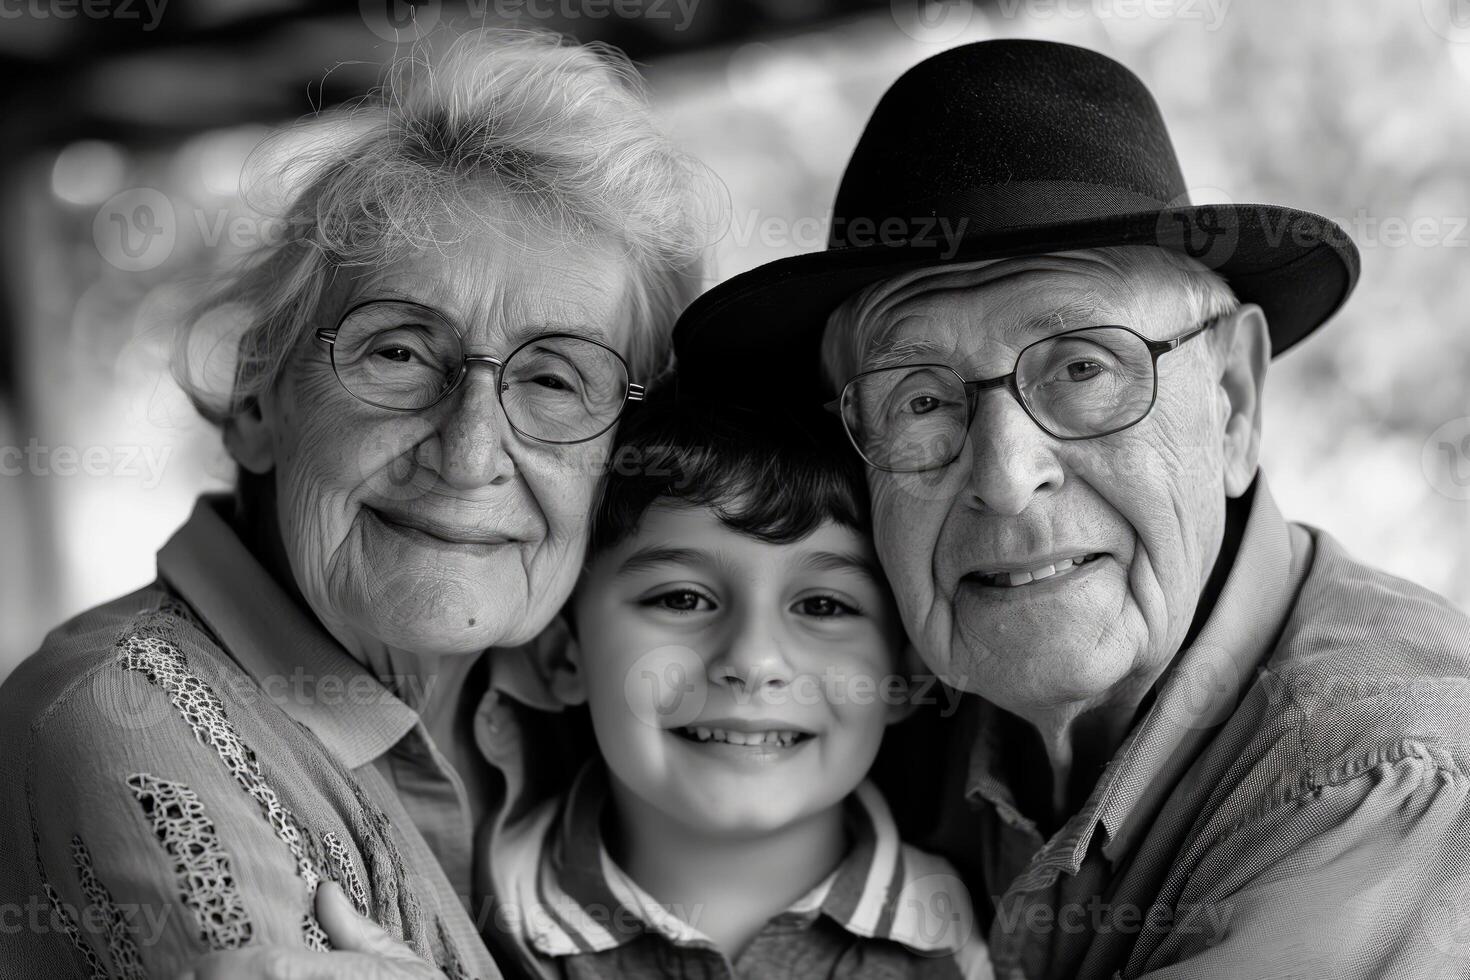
[[844, 561], [652, 556]]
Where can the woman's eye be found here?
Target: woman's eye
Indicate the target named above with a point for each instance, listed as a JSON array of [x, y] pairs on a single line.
[[824, 606], [1082, 370], [553, 382], [683, 600], [400, 354]]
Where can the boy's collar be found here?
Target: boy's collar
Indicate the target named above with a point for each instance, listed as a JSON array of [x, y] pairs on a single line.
[[881, 890]]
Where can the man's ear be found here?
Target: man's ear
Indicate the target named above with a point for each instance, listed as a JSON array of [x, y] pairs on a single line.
[[248, 439], [1243, 346]]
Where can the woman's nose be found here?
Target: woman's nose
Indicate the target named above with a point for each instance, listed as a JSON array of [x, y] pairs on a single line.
[[473, 433], [753, 657]]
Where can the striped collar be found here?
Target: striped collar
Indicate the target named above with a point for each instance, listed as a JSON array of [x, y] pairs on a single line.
[[883, 889]]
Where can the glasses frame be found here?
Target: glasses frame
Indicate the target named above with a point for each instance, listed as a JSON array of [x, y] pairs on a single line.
[[1156, 349], [634, 393]]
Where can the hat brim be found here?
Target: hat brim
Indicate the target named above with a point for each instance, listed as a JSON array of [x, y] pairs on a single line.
[[760, 332]]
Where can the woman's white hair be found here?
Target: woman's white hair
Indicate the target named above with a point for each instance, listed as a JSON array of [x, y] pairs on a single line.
[[854, 328], [558, 135]]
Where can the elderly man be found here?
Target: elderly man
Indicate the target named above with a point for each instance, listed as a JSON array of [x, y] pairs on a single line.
[[1204, 742]]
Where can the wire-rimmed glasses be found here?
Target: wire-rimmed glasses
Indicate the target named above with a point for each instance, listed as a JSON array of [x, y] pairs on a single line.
[[557, 388], [1078, 384]]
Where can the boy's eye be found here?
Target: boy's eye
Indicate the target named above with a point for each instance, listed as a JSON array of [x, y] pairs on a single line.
[[824, 605], [680, 600]]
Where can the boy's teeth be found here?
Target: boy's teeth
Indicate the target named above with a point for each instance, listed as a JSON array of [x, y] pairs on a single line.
[[772, 737]]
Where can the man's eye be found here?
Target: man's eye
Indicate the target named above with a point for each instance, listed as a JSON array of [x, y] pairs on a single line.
[[1082, 370], [824, 606], [681, 600], [923, 404]]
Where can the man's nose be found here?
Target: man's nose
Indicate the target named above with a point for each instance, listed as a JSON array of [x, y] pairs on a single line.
[[1012, 459], [473, 433], [752, 656]]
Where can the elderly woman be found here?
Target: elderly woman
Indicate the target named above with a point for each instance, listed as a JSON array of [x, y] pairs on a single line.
[[426, 381]]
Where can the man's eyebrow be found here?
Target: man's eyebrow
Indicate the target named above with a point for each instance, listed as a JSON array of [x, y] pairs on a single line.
[[1069, 316], [844, 561], [893, 351], [896, 348], [652, 556]]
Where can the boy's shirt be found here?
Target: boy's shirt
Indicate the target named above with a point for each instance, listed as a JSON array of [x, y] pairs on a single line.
[[888, 910]]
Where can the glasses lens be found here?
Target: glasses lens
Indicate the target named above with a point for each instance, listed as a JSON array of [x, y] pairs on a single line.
[[563, 389], [1087, 382], [906, 419], [396, 355]]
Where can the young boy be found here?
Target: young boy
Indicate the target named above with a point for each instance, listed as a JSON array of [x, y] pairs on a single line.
[[738, 649]]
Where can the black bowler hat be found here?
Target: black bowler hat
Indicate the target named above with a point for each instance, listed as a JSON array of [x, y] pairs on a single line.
[[995, 149]]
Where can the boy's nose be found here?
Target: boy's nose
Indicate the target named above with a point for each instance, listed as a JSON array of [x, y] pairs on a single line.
[[754, 658]]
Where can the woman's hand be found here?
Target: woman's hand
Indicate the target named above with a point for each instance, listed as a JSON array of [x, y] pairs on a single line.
[[361, 951]]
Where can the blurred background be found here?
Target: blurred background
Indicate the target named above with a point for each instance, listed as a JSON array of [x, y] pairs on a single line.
[[128, 123]]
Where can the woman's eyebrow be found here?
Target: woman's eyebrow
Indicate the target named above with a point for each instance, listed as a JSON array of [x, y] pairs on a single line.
[[843, 561], [653, 556]]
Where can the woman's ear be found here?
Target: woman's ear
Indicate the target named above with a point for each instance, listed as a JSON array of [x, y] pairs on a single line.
[[249, 439], [568, 683], [913, 675]]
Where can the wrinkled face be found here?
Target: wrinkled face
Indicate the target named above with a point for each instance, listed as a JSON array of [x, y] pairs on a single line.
[[736, 686], [441, 530], [1040, 572]]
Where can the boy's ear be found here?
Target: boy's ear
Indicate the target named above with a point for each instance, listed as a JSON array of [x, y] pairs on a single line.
[[247, 436], [568, 683]]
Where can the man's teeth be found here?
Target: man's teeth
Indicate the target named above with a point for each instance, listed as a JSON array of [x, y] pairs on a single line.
[[1027, 576], [779, 738]]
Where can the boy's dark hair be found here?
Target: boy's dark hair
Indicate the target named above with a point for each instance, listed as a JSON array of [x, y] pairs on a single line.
[[775, 477]]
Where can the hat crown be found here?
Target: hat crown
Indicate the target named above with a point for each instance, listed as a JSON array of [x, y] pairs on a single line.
[[1010, 132]]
